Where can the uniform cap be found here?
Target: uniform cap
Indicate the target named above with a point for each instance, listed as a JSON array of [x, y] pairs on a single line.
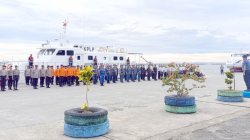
[[244, 56]]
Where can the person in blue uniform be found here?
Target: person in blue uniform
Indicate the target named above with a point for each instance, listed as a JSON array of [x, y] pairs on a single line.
[[143, 72], [102, 75], [148, 72], [117, 71], [108, 71], [133, 73], [114, 72], [125, 73], [95, 75], [246, 71], [139, 73], [128, 72], [121, 73]]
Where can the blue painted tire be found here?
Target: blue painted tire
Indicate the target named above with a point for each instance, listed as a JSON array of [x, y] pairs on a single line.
[[181, 109], [174, 100], [246, 94], [76, 117], [77, 131], [230, 99]]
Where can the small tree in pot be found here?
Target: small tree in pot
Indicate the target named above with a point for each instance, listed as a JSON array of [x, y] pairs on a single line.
[[182, 102], [86, 121], [229, 95]]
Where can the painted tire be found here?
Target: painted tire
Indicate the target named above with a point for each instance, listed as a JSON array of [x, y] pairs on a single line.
[[236, 93], [77, 131], [174, 100], [181, 109], [230, 99], [76, 117], [246, 94]]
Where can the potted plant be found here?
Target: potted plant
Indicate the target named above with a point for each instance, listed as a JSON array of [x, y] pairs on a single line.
[[229, 95], [85, 121], [181, 103]]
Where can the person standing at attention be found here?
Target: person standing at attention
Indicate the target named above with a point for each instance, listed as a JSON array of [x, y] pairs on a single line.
[[31, 60], [27, 73], [42, 76], [246, 71], [70, 60], [102, 75], [16, 77], [48, 74], [35, 76], [10, 75]]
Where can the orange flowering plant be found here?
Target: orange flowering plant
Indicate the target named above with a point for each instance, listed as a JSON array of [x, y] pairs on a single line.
[[177, 81]]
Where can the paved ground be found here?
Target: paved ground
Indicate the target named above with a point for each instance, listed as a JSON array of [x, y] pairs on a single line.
[[136, 111], [235, 129]]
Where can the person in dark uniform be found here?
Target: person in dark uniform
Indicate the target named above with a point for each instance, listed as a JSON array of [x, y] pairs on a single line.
[[36, 75], [246, 72], [139, 73], [148, 72], [4, 76], [155, 73], [61, 76], [48, 74], [16, 77], [42, 76], [143, 72], [95, 75], [53, 75], [10, 75], [27, 73], [57, 75], [102, 74], [114, 74], [117, 71], [159, 72]]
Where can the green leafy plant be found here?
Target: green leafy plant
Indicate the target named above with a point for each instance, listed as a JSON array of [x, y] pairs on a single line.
[[229, 78], [85, 75], [177, 81]]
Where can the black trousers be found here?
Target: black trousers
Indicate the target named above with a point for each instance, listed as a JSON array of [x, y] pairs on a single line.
[[69, 80], [77, 82], [65, 80], [10, 82], [165, 74], [31, 81], [35, 81], [57, 80], [61, 78], [27, 79], [159, 75], [15, 81], [148, 77], [52, 79], [48, 81], [3, 82], [41, 81]]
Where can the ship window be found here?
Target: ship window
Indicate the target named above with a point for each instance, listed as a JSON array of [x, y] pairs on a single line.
[[115, 57], [70, 52], [121, 58], [75, 46], [49, 51], [90, 57], [41, 52], [78, 57], [61, 52]]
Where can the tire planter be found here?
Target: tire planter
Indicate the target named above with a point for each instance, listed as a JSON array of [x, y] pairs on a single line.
[[230, 95], [180, 104], [86, 125], [246, 94]]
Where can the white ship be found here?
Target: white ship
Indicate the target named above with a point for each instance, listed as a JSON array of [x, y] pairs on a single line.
[[57, 53], [234, 63]]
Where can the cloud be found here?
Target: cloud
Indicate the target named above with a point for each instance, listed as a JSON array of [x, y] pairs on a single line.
[[151, 27]]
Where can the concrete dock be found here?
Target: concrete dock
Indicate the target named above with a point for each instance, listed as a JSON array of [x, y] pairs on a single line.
[[136, 111]]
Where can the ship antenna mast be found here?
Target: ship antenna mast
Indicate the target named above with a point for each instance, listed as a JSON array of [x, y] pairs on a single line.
[[64, 27]]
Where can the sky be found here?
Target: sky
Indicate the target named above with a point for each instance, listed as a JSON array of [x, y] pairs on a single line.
[[163, 30]]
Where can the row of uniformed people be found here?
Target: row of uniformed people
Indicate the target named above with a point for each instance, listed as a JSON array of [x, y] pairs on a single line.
[[126, 72], [65, 75], [11, 75]]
